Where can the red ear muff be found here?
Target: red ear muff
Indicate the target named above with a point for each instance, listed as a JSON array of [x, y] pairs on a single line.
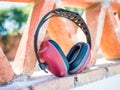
[[58, 64], [54, 58], [52, 55]]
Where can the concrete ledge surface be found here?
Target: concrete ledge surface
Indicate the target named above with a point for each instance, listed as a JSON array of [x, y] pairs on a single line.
[[41, 81]]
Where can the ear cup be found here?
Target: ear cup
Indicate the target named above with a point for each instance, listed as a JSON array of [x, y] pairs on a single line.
[[54, 58], [85, 64], [78, 57]]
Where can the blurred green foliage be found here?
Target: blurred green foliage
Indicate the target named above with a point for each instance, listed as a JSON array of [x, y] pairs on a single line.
[[11, 21], [15, 15]]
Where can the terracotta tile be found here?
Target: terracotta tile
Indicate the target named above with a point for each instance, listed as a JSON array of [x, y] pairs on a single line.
[[6, 72]]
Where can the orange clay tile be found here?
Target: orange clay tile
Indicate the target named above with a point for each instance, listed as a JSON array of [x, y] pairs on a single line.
[[109, 43], [80, 3], [25, 59], [92, 15], [6, 72]]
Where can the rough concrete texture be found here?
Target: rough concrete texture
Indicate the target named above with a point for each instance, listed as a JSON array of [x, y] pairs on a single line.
[[42, 81]]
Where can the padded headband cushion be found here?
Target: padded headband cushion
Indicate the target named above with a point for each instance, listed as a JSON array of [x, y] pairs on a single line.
[[77, 56], [55, 61]]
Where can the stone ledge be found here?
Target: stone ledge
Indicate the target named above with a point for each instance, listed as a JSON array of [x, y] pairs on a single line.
[[64, 83], [91, 75], [50, 82], [113, 69]]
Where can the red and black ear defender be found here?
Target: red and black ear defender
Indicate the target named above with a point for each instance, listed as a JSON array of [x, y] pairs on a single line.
[[55, 60]]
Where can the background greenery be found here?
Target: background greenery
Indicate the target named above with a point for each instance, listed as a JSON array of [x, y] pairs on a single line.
[[13, 19], [12, 22]]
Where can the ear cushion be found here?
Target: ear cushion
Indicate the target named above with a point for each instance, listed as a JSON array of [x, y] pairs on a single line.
[[77, 57], [85, 64], [54, 58], [61, 53]]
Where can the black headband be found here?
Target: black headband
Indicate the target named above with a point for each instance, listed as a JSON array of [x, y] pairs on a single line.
[[73, 16]]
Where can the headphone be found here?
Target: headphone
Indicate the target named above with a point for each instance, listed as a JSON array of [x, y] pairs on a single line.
[[55, 61]]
